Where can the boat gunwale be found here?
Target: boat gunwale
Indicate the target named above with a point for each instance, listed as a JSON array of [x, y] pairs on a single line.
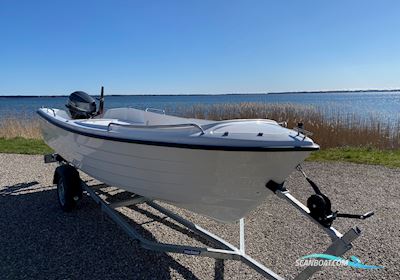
[[53, 121]]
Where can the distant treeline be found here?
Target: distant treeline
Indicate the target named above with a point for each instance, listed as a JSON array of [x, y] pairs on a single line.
[[338, 91]]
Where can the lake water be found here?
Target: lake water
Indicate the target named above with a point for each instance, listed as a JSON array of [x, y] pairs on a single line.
[[384, 105]]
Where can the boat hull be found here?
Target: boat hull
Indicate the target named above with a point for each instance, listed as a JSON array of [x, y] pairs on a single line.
[[223, 185]]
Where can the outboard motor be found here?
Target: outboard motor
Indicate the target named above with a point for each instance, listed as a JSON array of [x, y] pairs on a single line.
[[81, 105]]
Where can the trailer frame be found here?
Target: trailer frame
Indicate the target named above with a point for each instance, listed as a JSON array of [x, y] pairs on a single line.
[[341, 243]]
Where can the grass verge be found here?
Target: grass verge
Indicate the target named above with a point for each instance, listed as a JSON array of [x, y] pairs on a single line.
[[21, 145], [389, 158]]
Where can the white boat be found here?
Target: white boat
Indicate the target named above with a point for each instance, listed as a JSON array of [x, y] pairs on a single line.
[[216, 168]]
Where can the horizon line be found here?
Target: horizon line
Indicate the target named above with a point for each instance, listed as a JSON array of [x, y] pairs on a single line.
[[208, 94]]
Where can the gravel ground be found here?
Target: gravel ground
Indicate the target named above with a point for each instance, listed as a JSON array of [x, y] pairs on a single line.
[[39, 241]]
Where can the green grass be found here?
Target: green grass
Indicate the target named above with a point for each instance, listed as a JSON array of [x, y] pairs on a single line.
[[390, 158], [21, 145]]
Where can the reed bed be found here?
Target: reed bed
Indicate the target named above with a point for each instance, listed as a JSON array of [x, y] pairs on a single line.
[[25, 128], [331, 127]]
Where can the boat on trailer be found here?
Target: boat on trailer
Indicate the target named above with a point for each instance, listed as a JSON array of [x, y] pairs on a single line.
[[216, 168], [222, 169]]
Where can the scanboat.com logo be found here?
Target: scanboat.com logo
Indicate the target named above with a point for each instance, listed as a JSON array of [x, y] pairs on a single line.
[[330, 260]]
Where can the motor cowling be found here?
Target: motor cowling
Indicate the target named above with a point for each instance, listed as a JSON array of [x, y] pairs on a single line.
[[81, 105]]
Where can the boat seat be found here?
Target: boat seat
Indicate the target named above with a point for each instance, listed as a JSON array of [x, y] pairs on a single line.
[[129, 115]]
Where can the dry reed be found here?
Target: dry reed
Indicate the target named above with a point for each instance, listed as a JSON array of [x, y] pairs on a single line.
[[331, 127], [11, 128]]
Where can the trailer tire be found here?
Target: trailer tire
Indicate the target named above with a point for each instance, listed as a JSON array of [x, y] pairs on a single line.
[[69, 188]]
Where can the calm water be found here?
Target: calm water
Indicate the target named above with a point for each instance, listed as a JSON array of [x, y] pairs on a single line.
[[383, 105]]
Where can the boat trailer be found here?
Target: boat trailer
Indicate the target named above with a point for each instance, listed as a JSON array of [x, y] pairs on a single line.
[[70, 188]]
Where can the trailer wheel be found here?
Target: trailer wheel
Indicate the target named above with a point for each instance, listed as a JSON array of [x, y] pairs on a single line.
[[69, 189]]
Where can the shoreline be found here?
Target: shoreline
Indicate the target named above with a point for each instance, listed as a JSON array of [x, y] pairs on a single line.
[[330, 129]]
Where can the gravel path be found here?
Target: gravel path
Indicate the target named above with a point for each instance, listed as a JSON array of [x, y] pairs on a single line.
[[39, 241]]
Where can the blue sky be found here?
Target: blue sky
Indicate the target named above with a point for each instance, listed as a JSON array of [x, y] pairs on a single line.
[[181, 47]]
